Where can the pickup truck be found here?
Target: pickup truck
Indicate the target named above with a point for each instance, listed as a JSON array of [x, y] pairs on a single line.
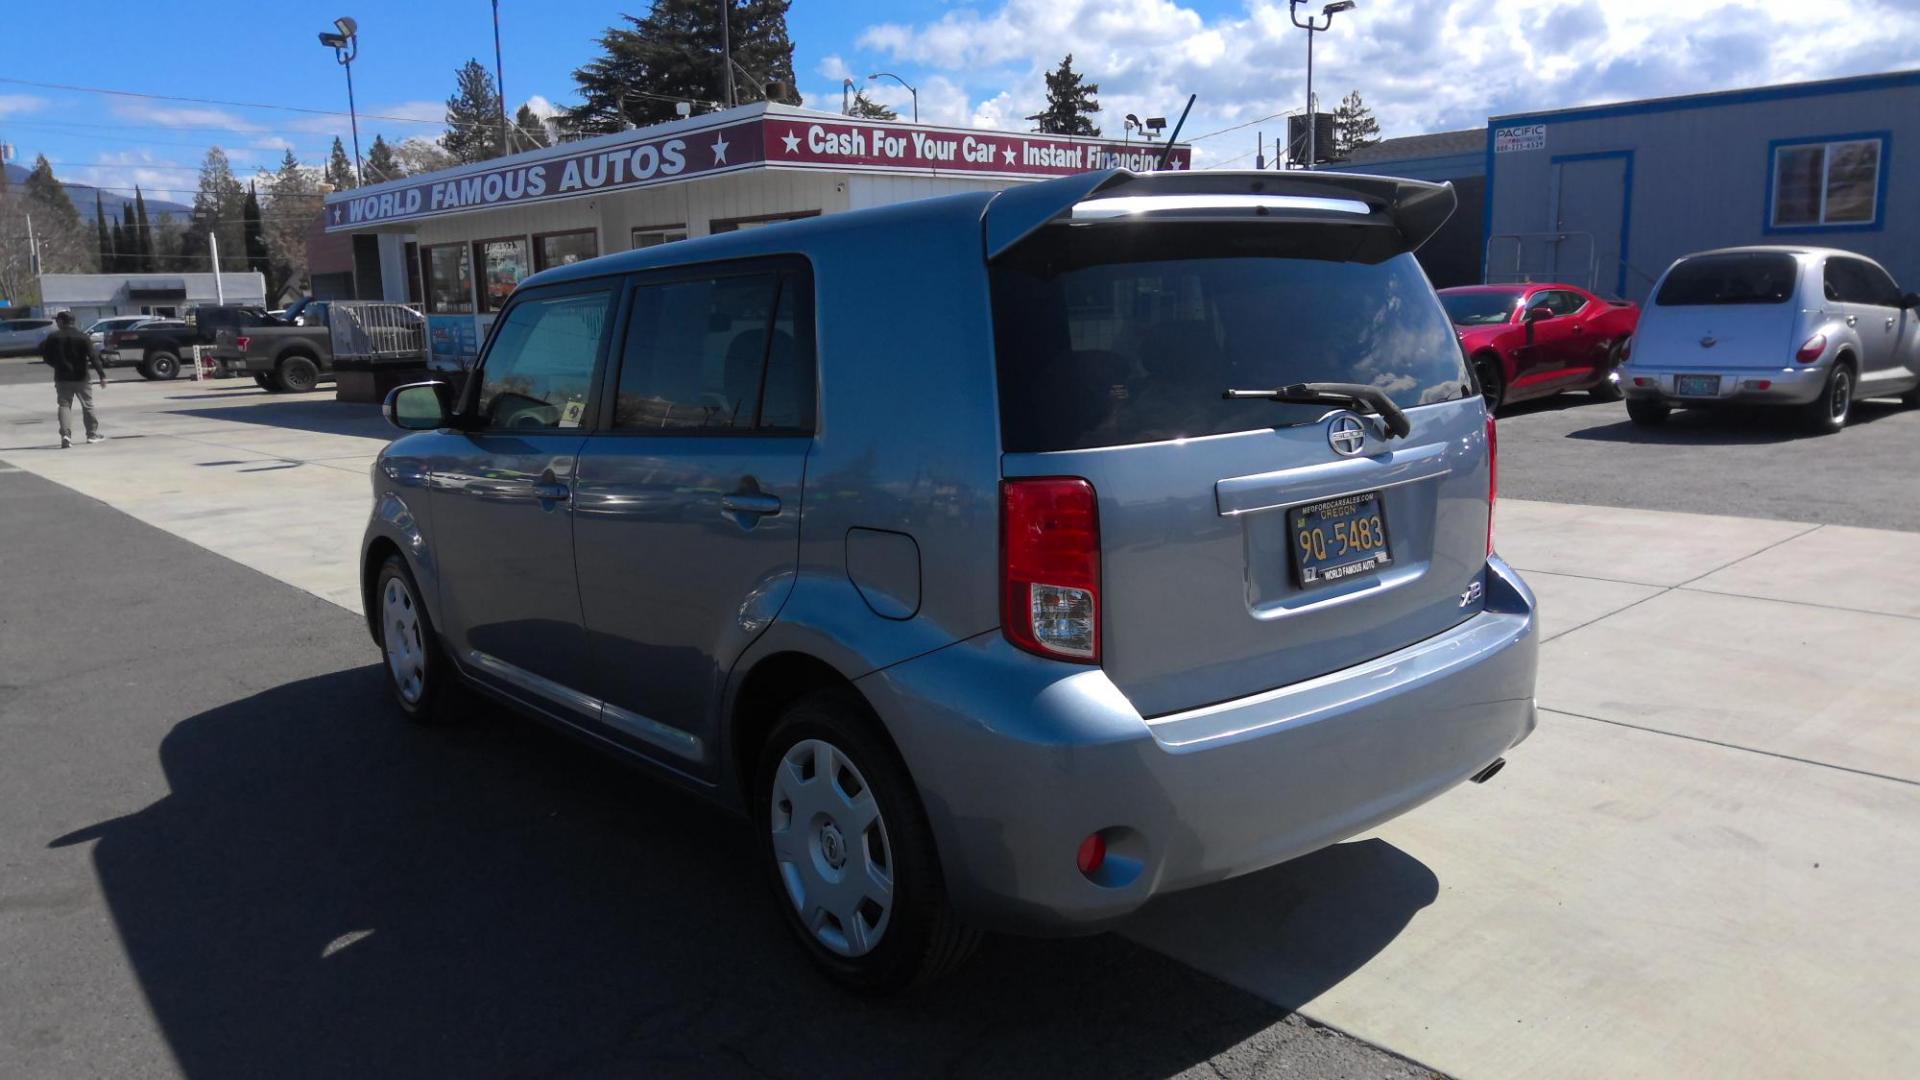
[[157, 349], [291, 358]]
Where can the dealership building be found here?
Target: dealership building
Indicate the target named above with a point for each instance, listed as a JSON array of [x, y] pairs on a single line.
[[460, 240], [1610, 195]]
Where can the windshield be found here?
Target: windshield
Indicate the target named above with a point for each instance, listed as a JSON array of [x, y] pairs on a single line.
[[1479, 308], [1747, 277], [1097, 346]]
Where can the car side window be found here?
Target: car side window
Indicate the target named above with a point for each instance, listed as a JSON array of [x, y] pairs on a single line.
[[714, 353], [1876, 286], [1558, 302], [538, 371], [1847, 283]]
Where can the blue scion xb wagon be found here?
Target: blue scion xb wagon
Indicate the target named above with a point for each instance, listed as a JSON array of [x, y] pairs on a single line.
[[1010, 558]]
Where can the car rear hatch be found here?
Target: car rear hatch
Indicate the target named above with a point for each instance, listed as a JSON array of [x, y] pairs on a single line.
[[1123, 316], [1722, 310]]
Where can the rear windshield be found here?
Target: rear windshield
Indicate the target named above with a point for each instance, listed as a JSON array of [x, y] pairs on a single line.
[[1479, 308], [1747, 277], [1104, 339]]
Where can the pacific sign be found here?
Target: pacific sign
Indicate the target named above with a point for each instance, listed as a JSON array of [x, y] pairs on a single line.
[[777, 141]]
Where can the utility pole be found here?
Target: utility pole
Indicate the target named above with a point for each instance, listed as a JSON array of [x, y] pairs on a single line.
[[33, 250], [726, 47], [1259, 150], [1311, 27], [500, 79], [219, 287]]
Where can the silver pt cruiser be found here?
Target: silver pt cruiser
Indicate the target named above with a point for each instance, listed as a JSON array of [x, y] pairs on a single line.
[[1141, 537]]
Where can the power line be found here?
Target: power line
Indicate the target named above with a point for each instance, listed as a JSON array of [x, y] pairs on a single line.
[[208, 101]]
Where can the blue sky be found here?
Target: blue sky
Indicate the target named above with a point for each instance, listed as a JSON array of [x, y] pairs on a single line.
[[1424, 65]]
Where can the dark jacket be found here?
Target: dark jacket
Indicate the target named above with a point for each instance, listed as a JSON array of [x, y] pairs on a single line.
[[69, 352]]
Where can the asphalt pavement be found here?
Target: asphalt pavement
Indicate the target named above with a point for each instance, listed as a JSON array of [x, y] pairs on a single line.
[[1743, 463], [222, 853]]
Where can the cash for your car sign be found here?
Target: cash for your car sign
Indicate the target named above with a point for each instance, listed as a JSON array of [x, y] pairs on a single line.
[[767, 138]]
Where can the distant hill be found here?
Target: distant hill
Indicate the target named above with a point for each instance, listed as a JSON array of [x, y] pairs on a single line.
[[82, 196]]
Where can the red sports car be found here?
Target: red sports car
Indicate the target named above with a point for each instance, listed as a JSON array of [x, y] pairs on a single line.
[[1530, 341]]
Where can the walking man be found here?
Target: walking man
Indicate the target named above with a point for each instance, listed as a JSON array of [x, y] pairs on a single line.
[[69, 353]]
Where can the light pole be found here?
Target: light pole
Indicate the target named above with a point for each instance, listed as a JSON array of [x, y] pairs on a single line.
[[902, 82], [1327, 13], [345, 43], [500, 80]]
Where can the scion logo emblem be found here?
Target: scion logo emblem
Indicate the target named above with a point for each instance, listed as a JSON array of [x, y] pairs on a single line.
[[1346, 434]]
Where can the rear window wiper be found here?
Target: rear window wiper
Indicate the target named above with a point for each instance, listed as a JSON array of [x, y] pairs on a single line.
[[1351, 395]]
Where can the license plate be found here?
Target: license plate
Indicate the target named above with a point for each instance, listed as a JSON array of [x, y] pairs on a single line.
[[1696, 385], [1338, 540]]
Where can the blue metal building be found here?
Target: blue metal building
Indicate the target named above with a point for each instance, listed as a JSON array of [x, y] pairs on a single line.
[[1608, 196]]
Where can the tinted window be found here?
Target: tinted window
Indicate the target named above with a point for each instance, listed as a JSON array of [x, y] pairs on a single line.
[[1478, 308], [1560, 302], [1748, 277], [1870, 284], [1098, 346], [538, 372], [720, 353]]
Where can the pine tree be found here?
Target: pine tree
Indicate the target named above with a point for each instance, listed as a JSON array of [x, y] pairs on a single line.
[[170, 245], [473, 115], [1353, 126], [253, 235], [674, 54], [293, 202], [126, 241], [143, 234], [219, 208], [380, 165], [866, 108], [103, 238], [339, 173], [65, 247], [1069, 102], [529, 131]]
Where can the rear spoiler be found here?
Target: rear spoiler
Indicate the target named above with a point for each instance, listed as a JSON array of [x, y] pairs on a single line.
[[1413, 209]]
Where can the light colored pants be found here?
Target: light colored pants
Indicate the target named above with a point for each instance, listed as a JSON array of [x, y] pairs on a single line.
[[68, 390]]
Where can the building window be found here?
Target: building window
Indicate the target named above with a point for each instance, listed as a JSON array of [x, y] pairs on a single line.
[[647, 236], [449, 280], [564, 248], [727, 225], [503, 266], [1827, 183]]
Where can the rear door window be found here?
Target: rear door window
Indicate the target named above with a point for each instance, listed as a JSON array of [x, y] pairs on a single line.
[[1743, 277], [1101, 343]]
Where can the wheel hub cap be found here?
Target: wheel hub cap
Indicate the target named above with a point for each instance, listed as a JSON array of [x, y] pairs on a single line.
[[831, 848], [400, 635]]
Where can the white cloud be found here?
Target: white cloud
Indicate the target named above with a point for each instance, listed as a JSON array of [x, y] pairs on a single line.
[[16, 104], [162, 178], [152, 112], [542, 107], [1424, 65]]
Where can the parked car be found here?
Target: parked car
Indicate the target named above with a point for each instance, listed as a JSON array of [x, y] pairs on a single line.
[[1813, 329], [292, 358], [100, 328], [1091, 595], [1532, 341], [157, 348], [22, 337]]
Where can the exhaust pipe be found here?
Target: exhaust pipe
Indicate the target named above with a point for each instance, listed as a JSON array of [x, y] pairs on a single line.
[[1490, 771]]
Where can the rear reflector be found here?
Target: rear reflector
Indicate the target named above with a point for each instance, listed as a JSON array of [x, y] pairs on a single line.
[[241, 343], [1093, 853], [1493, 477], [1758, 384], [1811, 351], [1050, 567]]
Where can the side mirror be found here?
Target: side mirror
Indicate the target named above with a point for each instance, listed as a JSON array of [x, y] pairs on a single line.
[[1910, 301], [1535, 314], [421, 406]]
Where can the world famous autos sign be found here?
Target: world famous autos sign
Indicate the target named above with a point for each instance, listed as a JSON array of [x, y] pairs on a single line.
[[770, 140]]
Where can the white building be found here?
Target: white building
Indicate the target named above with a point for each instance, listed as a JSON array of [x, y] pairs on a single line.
[[460, 240], [96, 296]]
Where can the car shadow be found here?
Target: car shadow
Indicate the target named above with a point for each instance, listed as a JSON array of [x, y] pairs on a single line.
[[316, 413], [1730, 426], [328, 891], [1571, 399]]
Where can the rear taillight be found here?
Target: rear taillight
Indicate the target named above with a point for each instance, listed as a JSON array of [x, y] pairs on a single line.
[[241, 343], [1050, 567], [1493, 478], [1811, 351]]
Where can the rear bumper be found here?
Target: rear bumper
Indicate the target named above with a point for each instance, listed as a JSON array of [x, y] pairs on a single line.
[[1018, 759], [1794, 384]]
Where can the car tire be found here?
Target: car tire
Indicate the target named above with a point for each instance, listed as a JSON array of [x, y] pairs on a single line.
[[1607, 389], [1911, 398], [1828, 413], [263, 380], [296, 375], [145, 371], [1648, 413], [161, 365], [820, 841], [416, 667], [1493, 385]]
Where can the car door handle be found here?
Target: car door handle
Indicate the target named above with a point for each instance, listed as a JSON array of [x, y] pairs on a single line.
[[1853, 320], [750, 502], [551, 491]]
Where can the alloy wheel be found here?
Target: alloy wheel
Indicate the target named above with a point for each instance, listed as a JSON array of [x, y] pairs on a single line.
[[1840, 396], [400, 635], [830, 844]]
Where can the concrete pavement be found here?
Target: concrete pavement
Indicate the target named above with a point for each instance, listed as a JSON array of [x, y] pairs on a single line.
[[1702, 864]]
